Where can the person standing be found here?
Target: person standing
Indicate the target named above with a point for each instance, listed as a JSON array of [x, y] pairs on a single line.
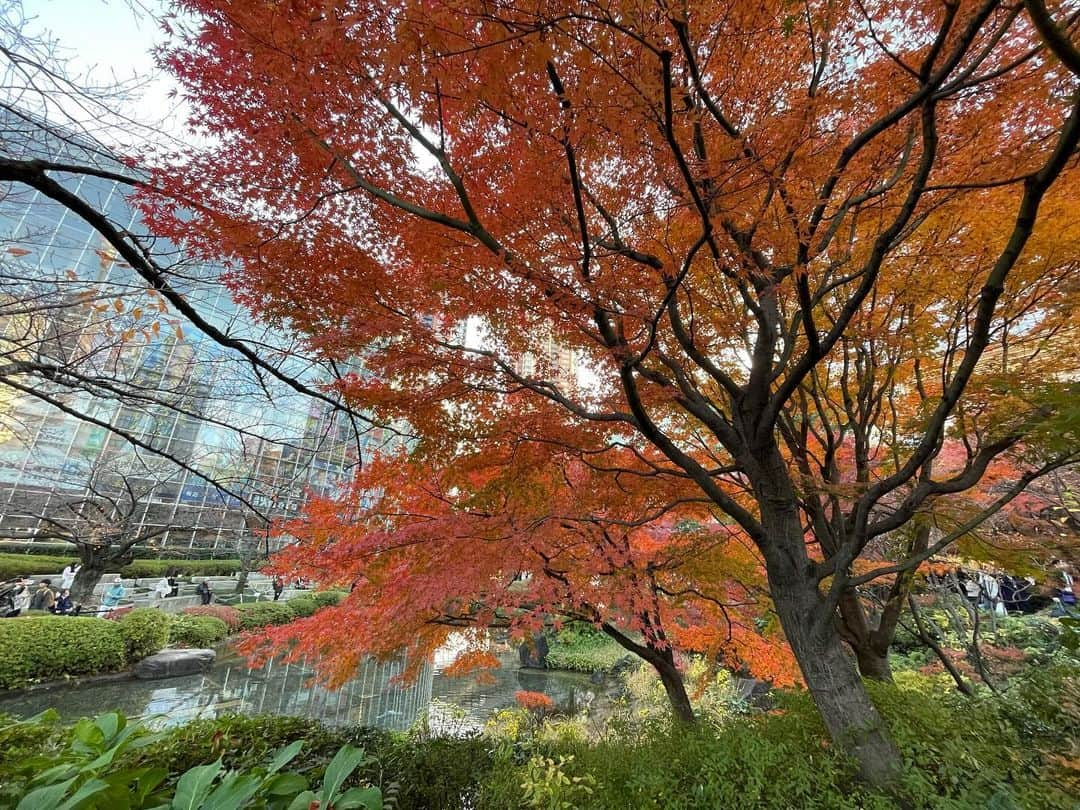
[[204, 591], [67, 578], [278, 586], [21, 598], [43, 598]]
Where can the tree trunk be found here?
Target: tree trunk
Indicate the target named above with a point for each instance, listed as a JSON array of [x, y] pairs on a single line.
[[872, 664], [674, 686], [86, 579], [663, 661], [850, 717]]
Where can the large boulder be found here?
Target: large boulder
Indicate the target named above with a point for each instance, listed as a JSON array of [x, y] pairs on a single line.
[[173, 663]]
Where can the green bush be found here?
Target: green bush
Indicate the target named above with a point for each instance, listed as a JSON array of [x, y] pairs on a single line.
[[302, 606], [145, 630], [197, 631], [328, 598], [34, 648], [583, 648], [193, 568], [226, 613], [259, 614], [18, 565]]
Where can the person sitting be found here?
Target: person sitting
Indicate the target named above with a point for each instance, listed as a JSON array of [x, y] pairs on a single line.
[[205, 594], [174, 586], [163, 588], [43, 598], [278, 586], [111, 598], [64, 606]]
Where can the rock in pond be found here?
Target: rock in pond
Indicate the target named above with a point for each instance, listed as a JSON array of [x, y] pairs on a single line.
[[172, 663]]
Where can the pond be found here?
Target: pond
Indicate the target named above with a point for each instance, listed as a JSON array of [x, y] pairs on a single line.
[[452, 705]]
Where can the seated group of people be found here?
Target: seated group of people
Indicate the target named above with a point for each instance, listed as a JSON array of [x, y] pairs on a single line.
[[43, 598]]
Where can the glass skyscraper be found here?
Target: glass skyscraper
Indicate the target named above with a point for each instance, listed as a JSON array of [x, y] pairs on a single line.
[[254, 447]]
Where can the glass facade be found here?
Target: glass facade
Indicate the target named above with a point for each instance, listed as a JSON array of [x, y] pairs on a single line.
[[138, 370]]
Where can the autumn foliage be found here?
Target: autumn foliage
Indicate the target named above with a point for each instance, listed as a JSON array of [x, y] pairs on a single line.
[[660, 296]]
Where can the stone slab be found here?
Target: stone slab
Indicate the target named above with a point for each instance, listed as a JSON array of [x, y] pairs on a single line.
[[173, 663]]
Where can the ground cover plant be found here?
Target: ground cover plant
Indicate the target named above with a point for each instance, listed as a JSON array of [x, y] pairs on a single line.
[[959, 753]]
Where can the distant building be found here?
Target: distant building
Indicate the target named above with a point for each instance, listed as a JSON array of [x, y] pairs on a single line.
[[203, 404]]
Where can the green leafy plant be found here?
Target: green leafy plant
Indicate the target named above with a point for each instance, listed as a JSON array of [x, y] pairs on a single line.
[[302, 606], [547, 786], [34, 648], [90, 774], [327, 598], [260, 614], [226, 613], [197, 631], [145, 631]]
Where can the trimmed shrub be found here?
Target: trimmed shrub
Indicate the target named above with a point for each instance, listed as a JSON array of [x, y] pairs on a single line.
[[195, 568], [302, 606], [226, 613], [197, 631], [18, 565], [34, 648], [259, 614], [328, 598], [145, 630]]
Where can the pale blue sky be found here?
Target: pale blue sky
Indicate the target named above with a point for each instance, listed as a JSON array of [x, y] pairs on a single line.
[[107, 41]]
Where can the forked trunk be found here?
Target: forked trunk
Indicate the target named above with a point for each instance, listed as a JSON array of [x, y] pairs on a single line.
[[852, 720], [872, 664]]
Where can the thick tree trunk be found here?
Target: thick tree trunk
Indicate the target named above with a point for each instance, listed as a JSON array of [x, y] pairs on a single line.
[[850, 717], [873, 664], [87, 578]]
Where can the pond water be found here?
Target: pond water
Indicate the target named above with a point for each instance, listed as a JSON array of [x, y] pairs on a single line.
[[452, 705]]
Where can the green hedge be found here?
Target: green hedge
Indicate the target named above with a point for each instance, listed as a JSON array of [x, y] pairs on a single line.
[[19, 565], [302, 606], [197, 631], [226, 613], [34, 648], [259, 614], [145, 631], [583, 648], [328, 598]]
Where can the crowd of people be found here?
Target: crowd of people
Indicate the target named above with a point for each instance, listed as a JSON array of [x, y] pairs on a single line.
[[23, 595]]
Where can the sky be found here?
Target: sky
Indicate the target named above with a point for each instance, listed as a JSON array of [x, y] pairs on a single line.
[[109, 41]]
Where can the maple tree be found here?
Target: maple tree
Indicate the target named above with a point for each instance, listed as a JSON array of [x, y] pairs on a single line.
[[799, 251]]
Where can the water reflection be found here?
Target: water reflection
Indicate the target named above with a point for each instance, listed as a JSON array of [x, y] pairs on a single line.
[[453, 705]]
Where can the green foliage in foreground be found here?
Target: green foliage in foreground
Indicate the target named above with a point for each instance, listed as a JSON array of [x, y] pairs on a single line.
[[582, 648], [20, 565], [90, 774], [987, 752], [34, 648]]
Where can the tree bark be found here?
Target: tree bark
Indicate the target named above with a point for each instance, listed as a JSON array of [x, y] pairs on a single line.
[[852, 720], [86, 579], [663, 661]]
